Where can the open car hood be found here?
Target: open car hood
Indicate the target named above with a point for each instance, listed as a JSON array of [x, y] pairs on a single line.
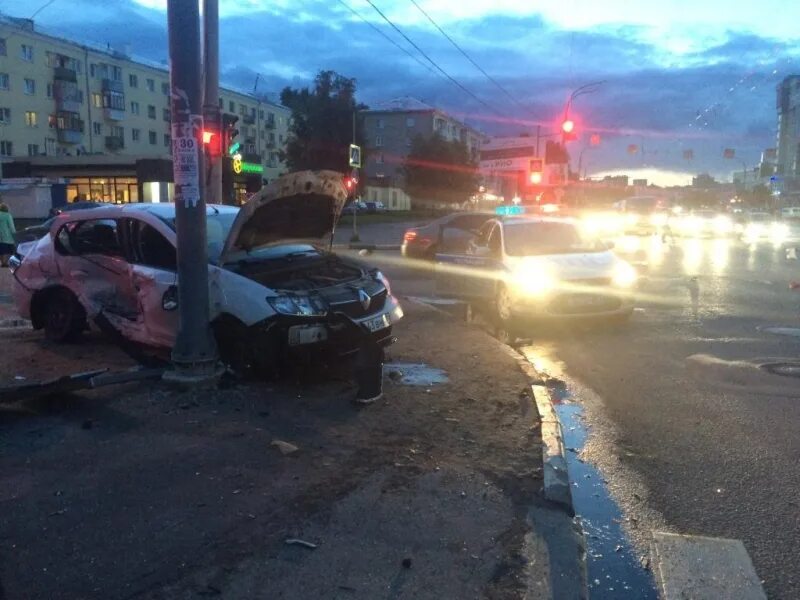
[[303, 205]]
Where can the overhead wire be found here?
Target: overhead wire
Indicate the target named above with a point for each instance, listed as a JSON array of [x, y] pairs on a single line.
[[467, 56], [432, 62]]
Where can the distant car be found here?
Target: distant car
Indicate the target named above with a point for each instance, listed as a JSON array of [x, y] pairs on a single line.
[[791, 212], [763, 225], [706, 222], [375, 207], [271, 292], [447, 234], [354, 207], [643, 215]]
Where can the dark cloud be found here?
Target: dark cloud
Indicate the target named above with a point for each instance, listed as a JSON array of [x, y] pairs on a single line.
[[705, 100]]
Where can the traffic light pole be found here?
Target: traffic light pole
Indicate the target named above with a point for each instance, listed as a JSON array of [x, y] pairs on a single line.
[[195, 354], [212, 183]]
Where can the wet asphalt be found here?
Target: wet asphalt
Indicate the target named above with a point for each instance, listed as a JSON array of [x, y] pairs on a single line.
[[689, 433]]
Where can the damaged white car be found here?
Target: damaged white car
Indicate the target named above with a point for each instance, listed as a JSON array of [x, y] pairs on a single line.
[[272, 291]]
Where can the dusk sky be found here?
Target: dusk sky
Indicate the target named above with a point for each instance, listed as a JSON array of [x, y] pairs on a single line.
[[677, 75]]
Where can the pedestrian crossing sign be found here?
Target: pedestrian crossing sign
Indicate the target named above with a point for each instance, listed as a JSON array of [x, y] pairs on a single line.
[[355, 156]]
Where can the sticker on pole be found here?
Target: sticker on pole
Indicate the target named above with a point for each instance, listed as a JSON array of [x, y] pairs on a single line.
[[186, 160], [355, 155]]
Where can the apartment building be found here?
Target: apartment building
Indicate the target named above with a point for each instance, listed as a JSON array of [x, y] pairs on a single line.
[[101, 120], [788, 154]]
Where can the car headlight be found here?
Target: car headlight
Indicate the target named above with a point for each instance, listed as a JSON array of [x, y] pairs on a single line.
[[658, 219], [379, 276], [723, 225], [779, 229], [631, 220], [304, 306], [14, 262], [624, 275], [533, 281]]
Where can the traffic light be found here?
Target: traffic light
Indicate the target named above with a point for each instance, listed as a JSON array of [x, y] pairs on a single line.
[[211, 143], [349, 185], [229, 132], [536, 167], [568, 130]]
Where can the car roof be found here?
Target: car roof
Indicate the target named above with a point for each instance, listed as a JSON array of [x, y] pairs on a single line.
[[525, 219], [164, 210]]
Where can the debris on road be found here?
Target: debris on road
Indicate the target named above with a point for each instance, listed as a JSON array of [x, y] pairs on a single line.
[[285, 447], [299, 542]]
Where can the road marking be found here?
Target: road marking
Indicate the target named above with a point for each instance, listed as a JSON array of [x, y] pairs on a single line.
[[689, 566], [790, 331]]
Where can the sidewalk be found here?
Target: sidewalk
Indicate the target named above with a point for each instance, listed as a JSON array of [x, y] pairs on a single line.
[[151, 493]]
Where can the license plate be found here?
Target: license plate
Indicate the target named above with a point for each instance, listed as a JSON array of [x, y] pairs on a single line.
[[306, 334], [377, 323]]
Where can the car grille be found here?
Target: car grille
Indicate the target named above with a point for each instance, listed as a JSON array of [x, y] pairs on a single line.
[[354, 308], [582, 304]]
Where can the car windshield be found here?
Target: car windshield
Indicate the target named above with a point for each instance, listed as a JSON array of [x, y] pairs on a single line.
[[541, 238]]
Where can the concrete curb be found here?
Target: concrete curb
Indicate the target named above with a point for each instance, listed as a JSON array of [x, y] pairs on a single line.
[[554, 456], [14, 323]]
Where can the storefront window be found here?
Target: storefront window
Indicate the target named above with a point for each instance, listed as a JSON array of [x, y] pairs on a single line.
[[116, 190]]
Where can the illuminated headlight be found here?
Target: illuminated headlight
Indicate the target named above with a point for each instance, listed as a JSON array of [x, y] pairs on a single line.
[[779, 230], [754, 230], [384, 280], [624, 275], [693, 224], [658, 219], [723, 225], [533, 281], [304, 306], [631, 219]]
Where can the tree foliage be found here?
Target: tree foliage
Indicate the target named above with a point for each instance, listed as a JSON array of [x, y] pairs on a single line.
[[438, 170], [322, 123]]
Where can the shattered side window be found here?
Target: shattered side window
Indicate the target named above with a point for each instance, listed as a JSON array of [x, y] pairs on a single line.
[[98, 236], [63, 244]]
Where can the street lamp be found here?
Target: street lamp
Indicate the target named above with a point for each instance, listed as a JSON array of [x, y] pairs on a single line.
[[567, 124]]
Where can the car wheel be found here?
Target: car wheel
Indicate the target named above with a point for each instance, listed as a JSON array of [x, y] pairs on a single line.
[[233, 344], [502, 306], [64, 318], [430, 253]]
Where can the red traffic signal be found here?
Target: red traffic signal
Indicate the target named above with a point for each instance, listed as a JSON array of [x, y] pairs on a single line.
[[568, 126], [594, 140], [212, 143], [349, 184]]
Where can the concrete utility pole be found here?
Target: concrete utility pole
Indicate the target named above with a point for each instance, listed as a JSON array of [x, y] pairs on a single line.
[[195, 353], [211, 110]]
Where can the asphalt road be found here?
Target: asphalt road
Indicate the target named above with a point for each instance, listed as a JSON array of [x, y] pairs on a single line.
[[690, 438]]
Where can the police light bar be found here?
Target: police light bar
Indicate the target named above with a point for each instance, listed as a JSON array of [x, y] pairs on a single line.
[[509, 210]]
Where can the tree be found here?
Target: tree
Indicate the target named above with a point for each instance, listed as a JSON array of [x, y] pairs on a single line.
[[439, 170], [322, 123]]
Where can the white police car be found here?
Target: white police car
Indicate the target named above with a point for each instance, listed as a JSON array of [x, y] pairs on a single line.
[[542, 267]]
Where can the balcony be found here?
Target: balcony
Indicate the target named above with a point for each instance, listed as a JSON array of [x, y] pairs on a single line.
[[248, 119], [64, 74], [270, 124], [114, 143], [70, 136], [111, 85], [114, 114]]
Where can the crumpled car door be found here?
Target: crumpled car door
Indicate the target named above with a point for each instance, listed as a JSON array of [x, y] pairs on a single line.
[[157, 298]]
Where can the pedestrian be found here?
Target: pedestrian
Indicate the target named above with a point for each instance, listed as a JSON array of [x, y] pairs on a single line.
[[7, 231]]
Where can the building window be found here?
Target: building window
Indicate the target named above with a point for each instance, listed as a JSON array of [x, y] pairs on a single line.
[[30, 118], [152, 136], [135, 134], [261, 114], [30, 86], [97, 100], [408, 142], [4, 81], [381, 123], [116, 73], [378, 141], [33, 149], [49, 90], [165, 89], [50, 146], [118, 132], [92, 70], [167, 140], [380, 159], [151, 85], [280, 138], [52, 121], [5, 116], [134, 107], [151, 111], [97, 128], [231, 106], [3, 51], [6, 148], [410, 121], [133, 80], [26, 52], [114, 100], [167, 116]]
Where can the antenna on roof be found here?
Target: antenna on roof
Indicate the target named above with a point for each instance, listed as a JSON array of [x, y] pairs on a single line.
[[255, 85]]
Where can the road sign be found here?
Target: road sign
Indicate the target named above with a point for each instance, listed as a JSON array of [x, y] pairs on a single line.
[[355, 155]]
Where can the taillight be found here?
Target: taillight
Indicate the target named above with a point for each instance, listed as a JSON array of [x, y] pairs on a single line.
[[410, 235]]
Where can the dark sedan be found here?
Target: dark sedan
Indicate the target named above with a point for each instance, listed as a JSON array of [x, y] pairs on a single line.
[[446, 234]]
